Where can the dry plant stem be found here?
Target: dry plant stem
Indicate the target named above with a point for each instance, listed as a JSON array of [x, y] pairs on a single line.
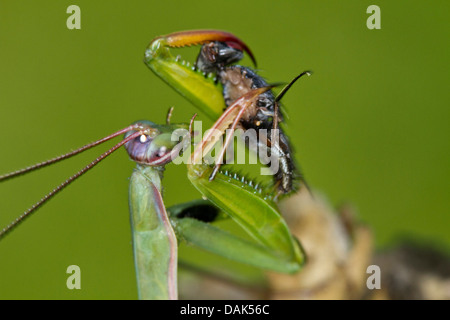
[[337, 256]]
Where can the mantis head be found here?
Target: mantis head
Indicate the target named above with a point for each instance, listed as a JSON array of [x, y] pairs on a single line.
[[157, 145]]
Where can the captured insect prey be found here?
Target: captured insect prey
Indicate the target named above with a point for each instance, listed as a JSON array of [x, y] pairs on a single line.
[[217, 55]]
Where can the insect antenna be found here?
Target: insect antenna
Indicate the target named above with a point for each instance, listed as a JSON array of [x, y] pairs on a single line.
[[282, 93], [289, 85], [72, 178], [42, 164]]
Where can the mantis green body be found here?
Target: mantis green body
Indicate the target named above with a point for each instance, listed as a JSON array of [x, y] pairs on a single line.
[[253, 209]]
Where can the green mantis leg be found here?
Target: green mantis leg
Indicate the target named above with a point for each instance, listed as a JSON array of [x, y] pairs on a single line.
[[154, 241], [249, 206]]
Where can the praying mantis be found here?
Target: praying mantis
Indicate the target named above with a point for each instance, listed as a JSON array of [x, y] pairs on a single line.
[[157, 229]]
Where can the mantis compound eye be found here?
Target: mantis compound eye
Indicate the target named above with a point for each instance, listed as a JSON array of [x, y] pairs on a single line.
[[138, 147]]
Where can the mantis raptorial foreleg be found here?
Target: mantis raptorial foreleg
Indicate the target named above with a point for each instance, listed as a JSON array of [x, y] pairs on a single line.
[[251, 208], [215, 82]]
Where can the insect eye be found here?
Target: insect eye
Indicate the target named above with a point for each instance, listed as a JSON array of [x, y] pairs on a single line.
[[143, 138]]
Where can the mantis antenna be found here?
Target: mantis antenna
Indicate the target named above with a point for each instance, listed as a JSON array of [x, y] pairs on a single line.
[[72, 178]]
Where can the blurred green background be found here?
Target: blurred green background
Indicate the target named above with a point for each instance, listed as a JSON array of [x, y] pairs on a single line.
[[370, 127]]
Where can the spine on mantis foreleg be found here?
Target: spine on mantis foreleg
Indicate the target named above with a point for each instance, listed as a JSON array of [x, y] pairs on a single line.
[[154, 241]]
